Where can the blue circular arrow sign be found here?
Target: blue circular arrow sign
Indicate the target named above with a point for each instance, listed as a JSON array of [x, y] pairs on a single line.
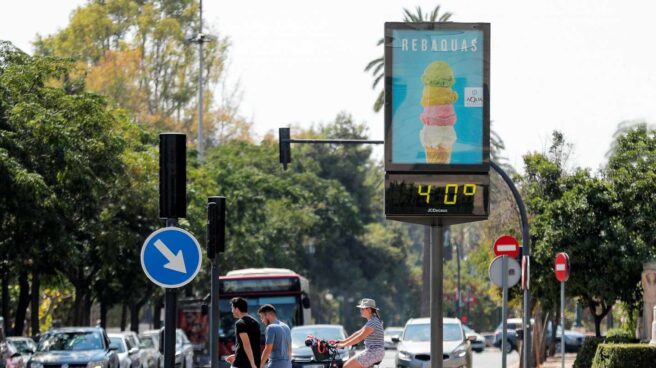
[[171, 257]]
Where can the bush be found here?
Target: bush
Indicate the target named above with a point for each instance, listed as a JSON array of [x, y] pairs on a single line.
[[587, 352], [619, 333], [589, 348], [624, 355]]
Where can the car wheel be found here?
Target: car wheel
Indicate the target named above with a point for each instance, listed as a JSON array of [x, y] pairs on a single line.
[[509, 347]]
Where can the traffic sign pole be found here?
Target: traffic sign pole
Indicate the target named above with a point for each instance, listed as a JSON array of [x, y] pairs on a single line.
[[562, 321], [504, 309], [170, 323], [562, 271]]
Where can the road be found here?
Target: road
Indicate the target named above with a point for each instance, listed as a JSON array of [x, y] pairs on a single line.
[[490, 358]]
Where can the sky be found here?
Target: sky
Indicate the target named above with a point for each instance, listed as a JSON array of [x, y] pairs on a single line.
[[580, 67]]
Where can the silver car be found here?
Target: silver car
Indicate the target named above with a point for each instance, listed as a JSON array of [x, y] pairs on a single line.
[[184, 351], [413, 350], [25, 346], [128, 355], [390, 334], [477, 342], [150, 346]]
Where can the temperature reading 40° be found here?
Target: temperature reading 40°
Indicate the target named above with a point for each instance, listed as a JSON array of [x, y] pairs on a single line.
[[451, 192]]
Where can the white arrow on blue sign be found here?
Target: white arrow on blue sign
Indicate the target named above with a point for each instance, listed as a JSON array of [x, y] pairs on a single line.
[[171, 257]]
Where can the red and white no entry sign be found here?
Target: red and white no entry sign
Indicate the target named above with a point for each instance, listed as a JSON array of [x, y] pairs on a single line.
[[561, 268], [506, 245]]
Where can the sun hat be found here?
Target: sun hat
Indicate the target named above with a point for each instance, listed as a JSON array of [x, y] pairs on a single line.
[[367, 303]]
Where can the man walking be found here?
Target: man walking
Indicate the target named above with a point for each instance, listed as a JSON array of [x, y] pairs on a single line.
[[278, 345], [247, 331]]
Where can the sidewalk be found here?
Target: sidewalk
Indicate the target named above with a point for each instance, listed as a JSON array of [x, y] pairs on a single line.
[[554, 361]]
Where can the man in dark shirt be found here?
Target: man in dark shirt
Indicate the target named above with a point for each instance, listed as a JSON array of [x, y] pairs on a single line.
[[247, 331]]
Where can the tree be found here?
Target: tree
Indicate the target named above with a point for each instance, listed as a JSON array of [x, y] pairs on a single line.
[[137, 55], [377, 66], [580, 214]]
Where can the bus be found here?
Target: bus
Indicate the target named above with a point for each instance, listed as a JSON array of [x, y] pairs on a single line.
[[286, 290]]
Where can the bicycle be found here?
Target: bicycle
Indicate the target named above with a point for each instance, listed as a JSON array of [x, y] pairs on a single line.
[[323, 350]]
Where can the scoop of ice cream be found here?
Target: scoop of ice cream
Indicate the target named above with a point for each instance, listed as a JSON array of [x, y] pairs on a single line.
[[438, 115], [438, 74], [434, 136], [438, 96]]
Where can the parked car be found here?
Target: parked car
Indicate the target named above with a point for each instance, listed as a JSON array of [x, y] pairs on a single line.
[[184, 351], [75, 346], [413, 350], [511, 333], [573, 339], [10, 357], [24, 345], [302, 356], [150, 347], [134, 340], [129, 356], [390, 333], [478, 343]]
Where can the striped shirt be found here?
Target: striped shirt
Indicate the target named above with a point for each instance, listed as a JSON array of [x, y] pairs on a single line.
[[376, 339]]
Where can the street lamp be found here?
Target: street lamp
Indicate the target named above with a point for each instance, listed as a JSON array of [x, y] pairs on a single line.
[[200, 39]]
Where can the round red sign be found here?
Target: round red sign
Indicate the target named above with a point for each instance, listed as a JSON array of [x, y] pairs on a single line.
[[561, 267], [506, 245]]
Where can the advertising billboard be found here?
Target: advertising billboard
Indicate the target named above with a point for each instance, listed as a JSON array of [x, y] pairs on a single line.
[[437, 97]]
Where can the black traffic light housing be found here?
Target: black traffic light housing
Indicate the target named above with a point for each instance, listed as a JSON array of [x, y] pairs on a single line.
[[216, 222], [172, 175], [284, 143]]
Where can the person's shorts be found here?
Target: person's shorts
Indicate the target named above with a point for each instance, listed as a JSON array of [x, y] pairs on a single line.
[[370, 357]]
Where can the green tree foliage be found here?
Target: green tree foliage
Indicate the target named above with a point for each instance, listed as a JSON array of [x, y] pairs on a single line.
[[137, 55], [580, 214], [80, 179]]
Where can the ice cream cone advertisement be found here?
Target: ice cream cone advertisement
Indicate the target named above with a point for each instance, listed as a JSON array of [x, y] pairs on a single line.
[[437, 97]]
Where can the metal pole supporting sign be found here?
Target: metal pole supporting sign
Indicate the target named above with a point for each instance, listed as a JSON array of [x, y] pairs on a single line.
[[562, 270]]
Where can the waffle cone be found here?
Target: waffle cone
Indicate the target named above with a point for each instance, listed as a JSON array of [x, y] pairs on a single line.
[[438, 155]]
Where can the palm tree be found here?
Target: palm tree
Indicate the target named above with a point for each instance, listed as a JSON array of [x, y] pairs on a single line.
[[377, 66]]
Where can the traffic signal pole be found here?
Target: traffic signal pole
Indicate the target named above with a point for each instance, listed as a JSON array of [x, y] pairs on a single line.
[[172, 205], [526, 251], [216, 222]]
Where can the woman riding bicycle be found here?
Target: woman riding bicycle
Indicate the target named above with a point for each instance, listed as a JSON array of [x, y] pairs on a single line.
[[372, 334]]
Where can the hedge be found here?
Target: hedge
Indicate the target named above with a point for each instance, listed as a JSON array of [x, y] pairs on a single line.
[[587, 352], [625, 355]]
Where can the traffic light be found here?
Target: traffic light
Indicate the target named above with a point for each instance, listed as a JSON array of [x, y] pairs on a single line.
[[172, 175], [285, 147], [216, 222]]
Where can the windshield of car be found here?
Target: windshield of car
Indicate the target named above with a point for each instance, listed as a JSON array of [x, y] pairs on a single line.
[[71, 341], [147, 342], [421, 332], [118, 342], [323, 332], [23, 346], [394, 332], [467, 329]]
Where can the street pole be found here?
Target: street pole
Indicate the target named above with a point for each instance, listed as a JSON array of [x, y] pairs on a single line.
[[526, 250], [504, 309], [436, 271], [458, 292], [172, 205], [170, 323], [200, 86], [216, 210], [562, 322]]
